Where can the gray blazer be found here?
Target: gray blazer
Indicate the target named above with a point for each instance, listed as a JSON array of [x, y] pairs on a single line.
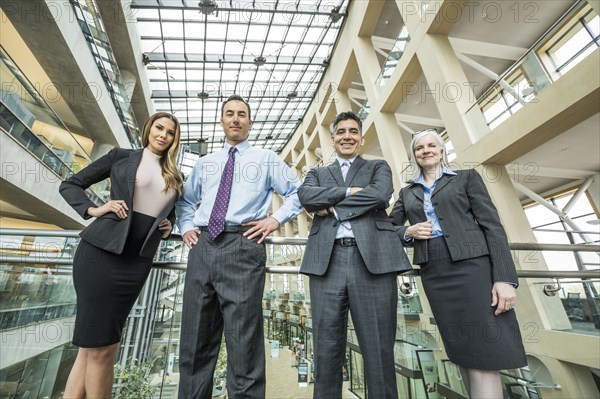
[[468, 218], [109, 232], [377, 241]]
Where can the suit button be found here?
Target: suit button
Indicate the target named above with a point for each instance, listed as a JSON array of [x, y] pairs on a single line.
[[335, 224], [441, 218], [447, 235], [435, 203]]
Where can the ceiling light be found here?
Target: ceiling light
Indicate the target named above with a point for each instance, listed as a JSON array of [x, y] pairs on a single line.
[[208, 7], [293, 94], [335, 14], [260, 61], [203, 95], [145, 59]]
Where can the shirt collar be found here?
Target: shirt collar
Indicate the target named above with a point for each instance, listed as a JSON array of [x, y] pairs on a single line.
[[241, 147], [342, 160], [445, 171]]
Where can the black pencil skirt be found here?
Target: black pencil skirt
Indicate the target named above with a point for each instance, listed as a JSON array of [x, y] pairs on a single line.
[[460, 297], [107, 286]]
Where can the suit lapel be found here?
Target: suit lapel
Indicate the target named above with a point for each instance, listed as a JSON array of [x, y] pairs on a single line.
[[356, 165], [417, 191], [336, 171], [444, 180], [132, 165]]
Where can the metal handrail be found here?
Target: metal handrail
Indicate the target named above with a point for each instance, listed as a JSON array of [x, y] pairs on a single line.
[[515, 246], [288, 269]]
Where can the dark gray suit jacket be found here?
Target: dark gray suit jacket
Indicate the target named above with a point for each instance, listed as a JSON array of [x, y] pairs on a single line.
[[468, 218], [109, 232], [375, 235]]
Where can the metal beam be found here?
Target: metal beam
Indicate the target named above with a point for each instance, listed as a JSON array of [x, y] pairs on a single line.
[[233, 59], [251, 7]]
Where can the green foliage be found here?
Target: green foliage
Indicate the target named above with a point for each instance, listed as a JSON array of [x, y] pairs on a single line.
[[221, 368], [133, 380]]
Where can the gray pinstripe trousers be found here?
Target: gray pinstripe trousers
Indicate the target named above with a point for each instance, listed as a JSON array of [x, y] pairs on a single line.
[[223, 293], [372, 301]]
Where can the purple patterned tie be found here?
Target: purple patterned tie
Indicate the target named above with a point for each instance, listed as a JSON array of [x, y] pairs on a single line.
[[216, 224]]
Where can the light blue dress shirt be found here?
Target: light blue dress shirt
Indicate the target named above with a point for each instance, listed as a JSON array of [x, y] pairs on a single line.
[[345, 228], [258, 173], [436, 228]]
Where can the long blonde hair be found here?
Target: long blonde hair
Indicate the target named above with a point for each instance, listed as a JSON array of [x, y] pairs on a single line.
[[168, 160]]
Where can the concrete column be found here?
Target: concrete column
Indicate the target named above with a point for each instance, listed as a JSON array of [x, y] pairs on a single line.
[[594, 192], [99, 149], [449, 87], [303, 225], [533, 306], [368, 66], [129, 83], [392, 146]]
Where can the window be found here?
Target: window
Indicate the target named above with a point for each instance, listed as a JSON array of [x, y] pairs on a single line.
[[501, 102], [579, 37]]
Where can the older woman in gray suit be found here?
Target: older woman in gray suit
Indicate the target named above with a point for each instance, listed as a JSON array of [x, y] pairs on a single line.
[[466, 266]]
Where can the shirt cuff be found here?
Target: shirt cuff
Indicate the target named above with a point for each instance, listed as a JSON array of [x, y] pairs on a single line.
[[335, 213], [407, 238], [506, 282], [347, 192], [185, 227]]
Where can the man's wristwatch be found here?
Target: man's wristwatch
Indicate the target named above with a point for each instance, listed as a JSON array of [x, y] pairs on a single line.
[[330, 211]]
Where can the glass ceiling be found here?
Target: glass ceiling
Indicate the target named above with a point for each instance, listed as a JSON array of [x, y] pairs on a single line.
[[273, 53]]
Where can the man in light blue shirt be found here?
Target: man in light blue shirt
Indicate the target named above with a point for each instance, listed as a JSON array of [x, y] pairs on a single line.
[[223, 215]]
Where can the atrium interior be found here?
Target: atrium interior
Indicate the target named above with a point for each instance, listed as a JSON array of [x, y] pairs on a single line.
[[512, 86]]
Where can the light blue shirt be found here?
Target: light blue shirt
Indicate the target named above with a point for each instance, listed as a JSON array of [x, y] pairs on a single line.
[[258, 173], [345, 228], [436, 228]]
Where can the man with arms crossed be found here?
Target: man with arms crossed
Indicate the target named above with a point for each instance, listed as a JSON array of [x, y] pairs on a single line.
[[352, 257], [226, 266]]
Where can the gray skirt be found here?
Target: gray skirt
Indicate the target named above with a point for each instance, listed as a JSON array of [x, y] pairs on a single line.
[[460, 297]]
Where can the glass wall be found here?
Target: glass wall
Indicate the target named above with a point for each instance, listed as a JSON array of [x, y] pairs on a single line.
[[93, 29], [41, 376], [28, 119]]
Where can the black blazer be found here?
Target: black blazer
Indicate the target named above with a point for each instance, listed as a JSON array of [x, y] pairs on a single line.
[[375, 235], [109, 232], [468, 218]]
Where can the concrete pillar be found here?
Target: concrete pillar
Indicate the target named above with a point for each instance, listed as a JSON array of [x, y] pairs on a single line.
[[449, 87], [533, 306]]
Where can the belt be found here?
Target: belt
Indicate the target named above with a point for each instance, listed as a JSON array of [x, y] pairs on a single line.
[[229, 229], [345, 242]]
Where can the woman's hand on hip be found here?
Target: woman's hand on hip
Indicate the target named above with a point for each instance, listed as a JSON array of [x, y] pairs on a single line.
[[118, 207], [504, 297], [165, 226], [420, 231]]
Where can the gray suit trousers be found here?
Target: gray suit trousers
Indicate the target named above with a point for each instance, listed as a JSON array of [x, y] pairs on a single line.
[[372, 300], [223, 293]]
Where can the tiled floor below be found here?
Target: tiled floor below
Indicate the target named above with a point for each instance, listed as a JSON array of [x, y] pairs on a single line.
[[282, 378]]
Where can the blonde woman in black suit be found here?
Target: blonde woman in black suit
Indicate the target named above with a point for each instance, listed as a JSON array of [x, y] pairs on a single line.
[[115, 254], [466, 266]]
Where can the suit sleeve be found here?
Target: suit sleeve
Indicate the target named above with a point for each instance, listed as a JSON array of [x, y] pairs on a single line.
[[314, 197], [376, 195], [486, 215], [399, 218], [73, 188]]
